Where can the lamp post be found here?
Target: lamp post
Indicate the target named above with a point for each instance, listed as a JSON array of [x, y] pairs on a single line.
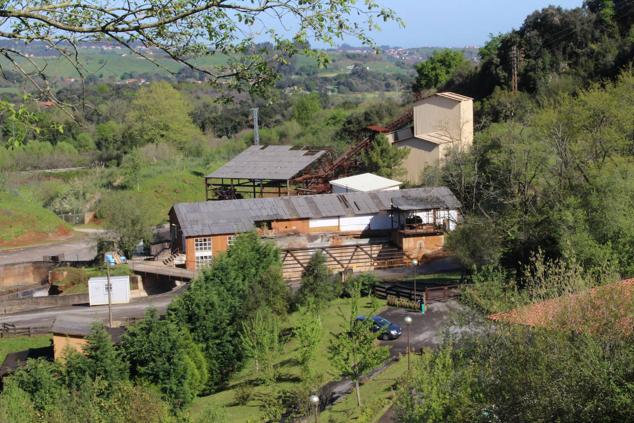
[[415, 264], [408, 322], [314, 400]]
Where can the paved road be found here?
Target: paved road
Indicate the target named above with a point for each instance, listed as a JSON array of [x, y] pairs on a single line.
[[82, 248], [136, 308]]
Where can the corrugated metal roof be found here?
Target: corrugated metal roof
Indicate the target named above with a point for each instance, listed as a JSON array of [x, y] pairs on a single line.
[[268, 162], [365, 182], [235, 216]]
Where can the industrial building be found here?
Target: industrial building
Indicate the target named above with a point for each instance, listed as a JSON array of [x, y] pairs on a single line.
[[434, 126], [355, 230], [263, 171]]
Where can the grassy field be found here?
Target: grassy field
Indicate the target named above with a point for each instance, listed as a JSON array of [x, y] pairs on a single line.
[[287, 368], [20, 343], [22, 218], [161, 188]]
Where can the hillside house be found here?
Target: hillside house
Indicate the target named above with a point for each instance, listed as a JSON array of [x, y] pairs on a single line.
[[355, 230], [438, 123]]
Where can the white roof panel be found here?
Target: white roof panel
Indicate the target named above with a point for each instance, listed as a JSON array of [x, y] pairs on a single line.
[[366, 182]]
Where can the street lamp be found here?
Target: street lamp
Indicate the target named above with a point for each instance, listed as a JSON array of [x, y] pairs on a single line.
[[408, 322], [415, 264], [314, 400]]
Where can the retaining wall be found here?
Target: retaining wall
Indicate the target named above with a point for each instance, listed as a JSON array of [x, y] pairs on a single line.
[[24, 274], [26, 304]]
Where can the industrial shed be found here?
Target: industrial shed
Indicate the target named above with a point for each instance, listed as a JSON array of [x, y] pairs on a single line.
[[365, 223], [262, 171]]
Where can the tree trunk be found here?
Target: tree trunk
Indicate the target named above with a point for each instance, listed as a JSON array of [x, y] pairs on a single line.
[[356, 387]]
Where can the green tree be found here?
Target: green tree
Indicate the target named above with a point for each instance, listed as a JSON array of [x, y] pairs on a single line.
[[185, 31], [126, 215], [438, 69], [309, 332], [159, 113], [318, 285], [103, 361], [305, 108], [16, 405], [40, 379], [384, 159], [438, 390], [161, 353], [218, 298], [355, 352], [131, 168], [261, 342]]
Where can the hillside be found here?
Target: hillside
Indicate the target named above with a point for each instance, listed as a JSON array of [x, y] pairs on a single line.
[[24, 221]]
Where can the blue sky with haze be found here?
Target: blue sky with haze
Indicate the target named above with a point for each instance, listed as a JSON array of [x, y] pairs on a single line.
[[457, 23]]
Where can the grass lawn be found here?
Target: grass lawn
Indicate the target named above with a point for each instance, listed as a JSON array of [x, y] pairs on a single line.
[[289, 371], [20, 343], [376, 397]]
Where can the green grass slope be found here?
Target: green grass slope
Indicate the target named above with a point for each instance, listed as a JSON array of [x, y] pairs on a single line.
[[24, 220]]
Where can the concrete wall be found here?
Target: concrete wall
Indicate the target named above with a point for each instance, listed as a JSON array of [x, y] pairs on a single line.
[[26, 304], [64, 343], [421, 154], [417, 247], [23, 274]]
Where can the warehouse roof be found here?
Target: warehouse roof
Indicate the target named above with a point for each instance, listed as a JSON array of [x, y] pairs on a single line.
[[365, 182], [235, 216], [268, 162]]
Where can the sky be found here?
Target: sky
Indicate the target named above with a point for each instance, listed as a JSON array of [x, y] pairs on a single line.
[[456, 23]]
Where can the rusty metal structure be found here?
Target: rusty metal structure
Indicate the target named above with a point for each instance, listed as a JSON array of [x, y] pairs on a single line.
[[348, 163]]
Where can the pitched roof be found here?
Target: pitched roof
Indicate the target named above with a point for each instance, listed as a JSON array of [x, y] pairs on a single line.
[[365, 182], [268, 162], [454, 96], [235, 216]]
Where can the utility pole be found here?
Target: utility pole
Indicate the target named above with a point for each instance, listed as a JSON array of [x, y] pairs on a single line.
[[514, 60], [109, 288], [256, 131]]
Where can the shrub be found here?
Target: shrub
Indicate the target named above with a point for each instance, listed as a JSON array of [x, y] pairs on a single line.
[[243, 393]]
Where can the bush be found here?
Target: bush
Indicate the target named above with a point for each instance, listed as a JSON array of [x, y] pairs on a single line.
[[243, 393], [319, 286]]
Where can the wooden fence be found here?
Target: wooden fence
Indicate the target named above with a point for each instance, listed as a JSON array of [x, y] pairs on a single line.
[[429, 295], [8, 330]]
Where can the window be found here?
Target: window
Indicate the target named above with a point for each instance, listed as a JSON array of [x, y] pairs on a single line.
[[202, 261], [202, 244], [230, 240]]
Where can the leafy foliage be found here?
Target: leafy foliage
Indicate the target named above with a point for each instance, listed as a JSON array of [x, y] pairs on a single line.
[[438, 69], [384, 159], [161, 353], [318, 285], [261, 342], [219, 298]]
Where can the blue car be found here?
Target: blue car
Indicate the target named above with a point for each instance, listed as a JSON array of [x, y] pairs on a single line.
[[385, 328]]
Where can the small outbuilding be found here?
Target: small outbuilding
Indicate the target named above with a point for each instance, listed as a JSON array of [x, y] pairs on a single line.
[[365, 182], [98, 290]]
